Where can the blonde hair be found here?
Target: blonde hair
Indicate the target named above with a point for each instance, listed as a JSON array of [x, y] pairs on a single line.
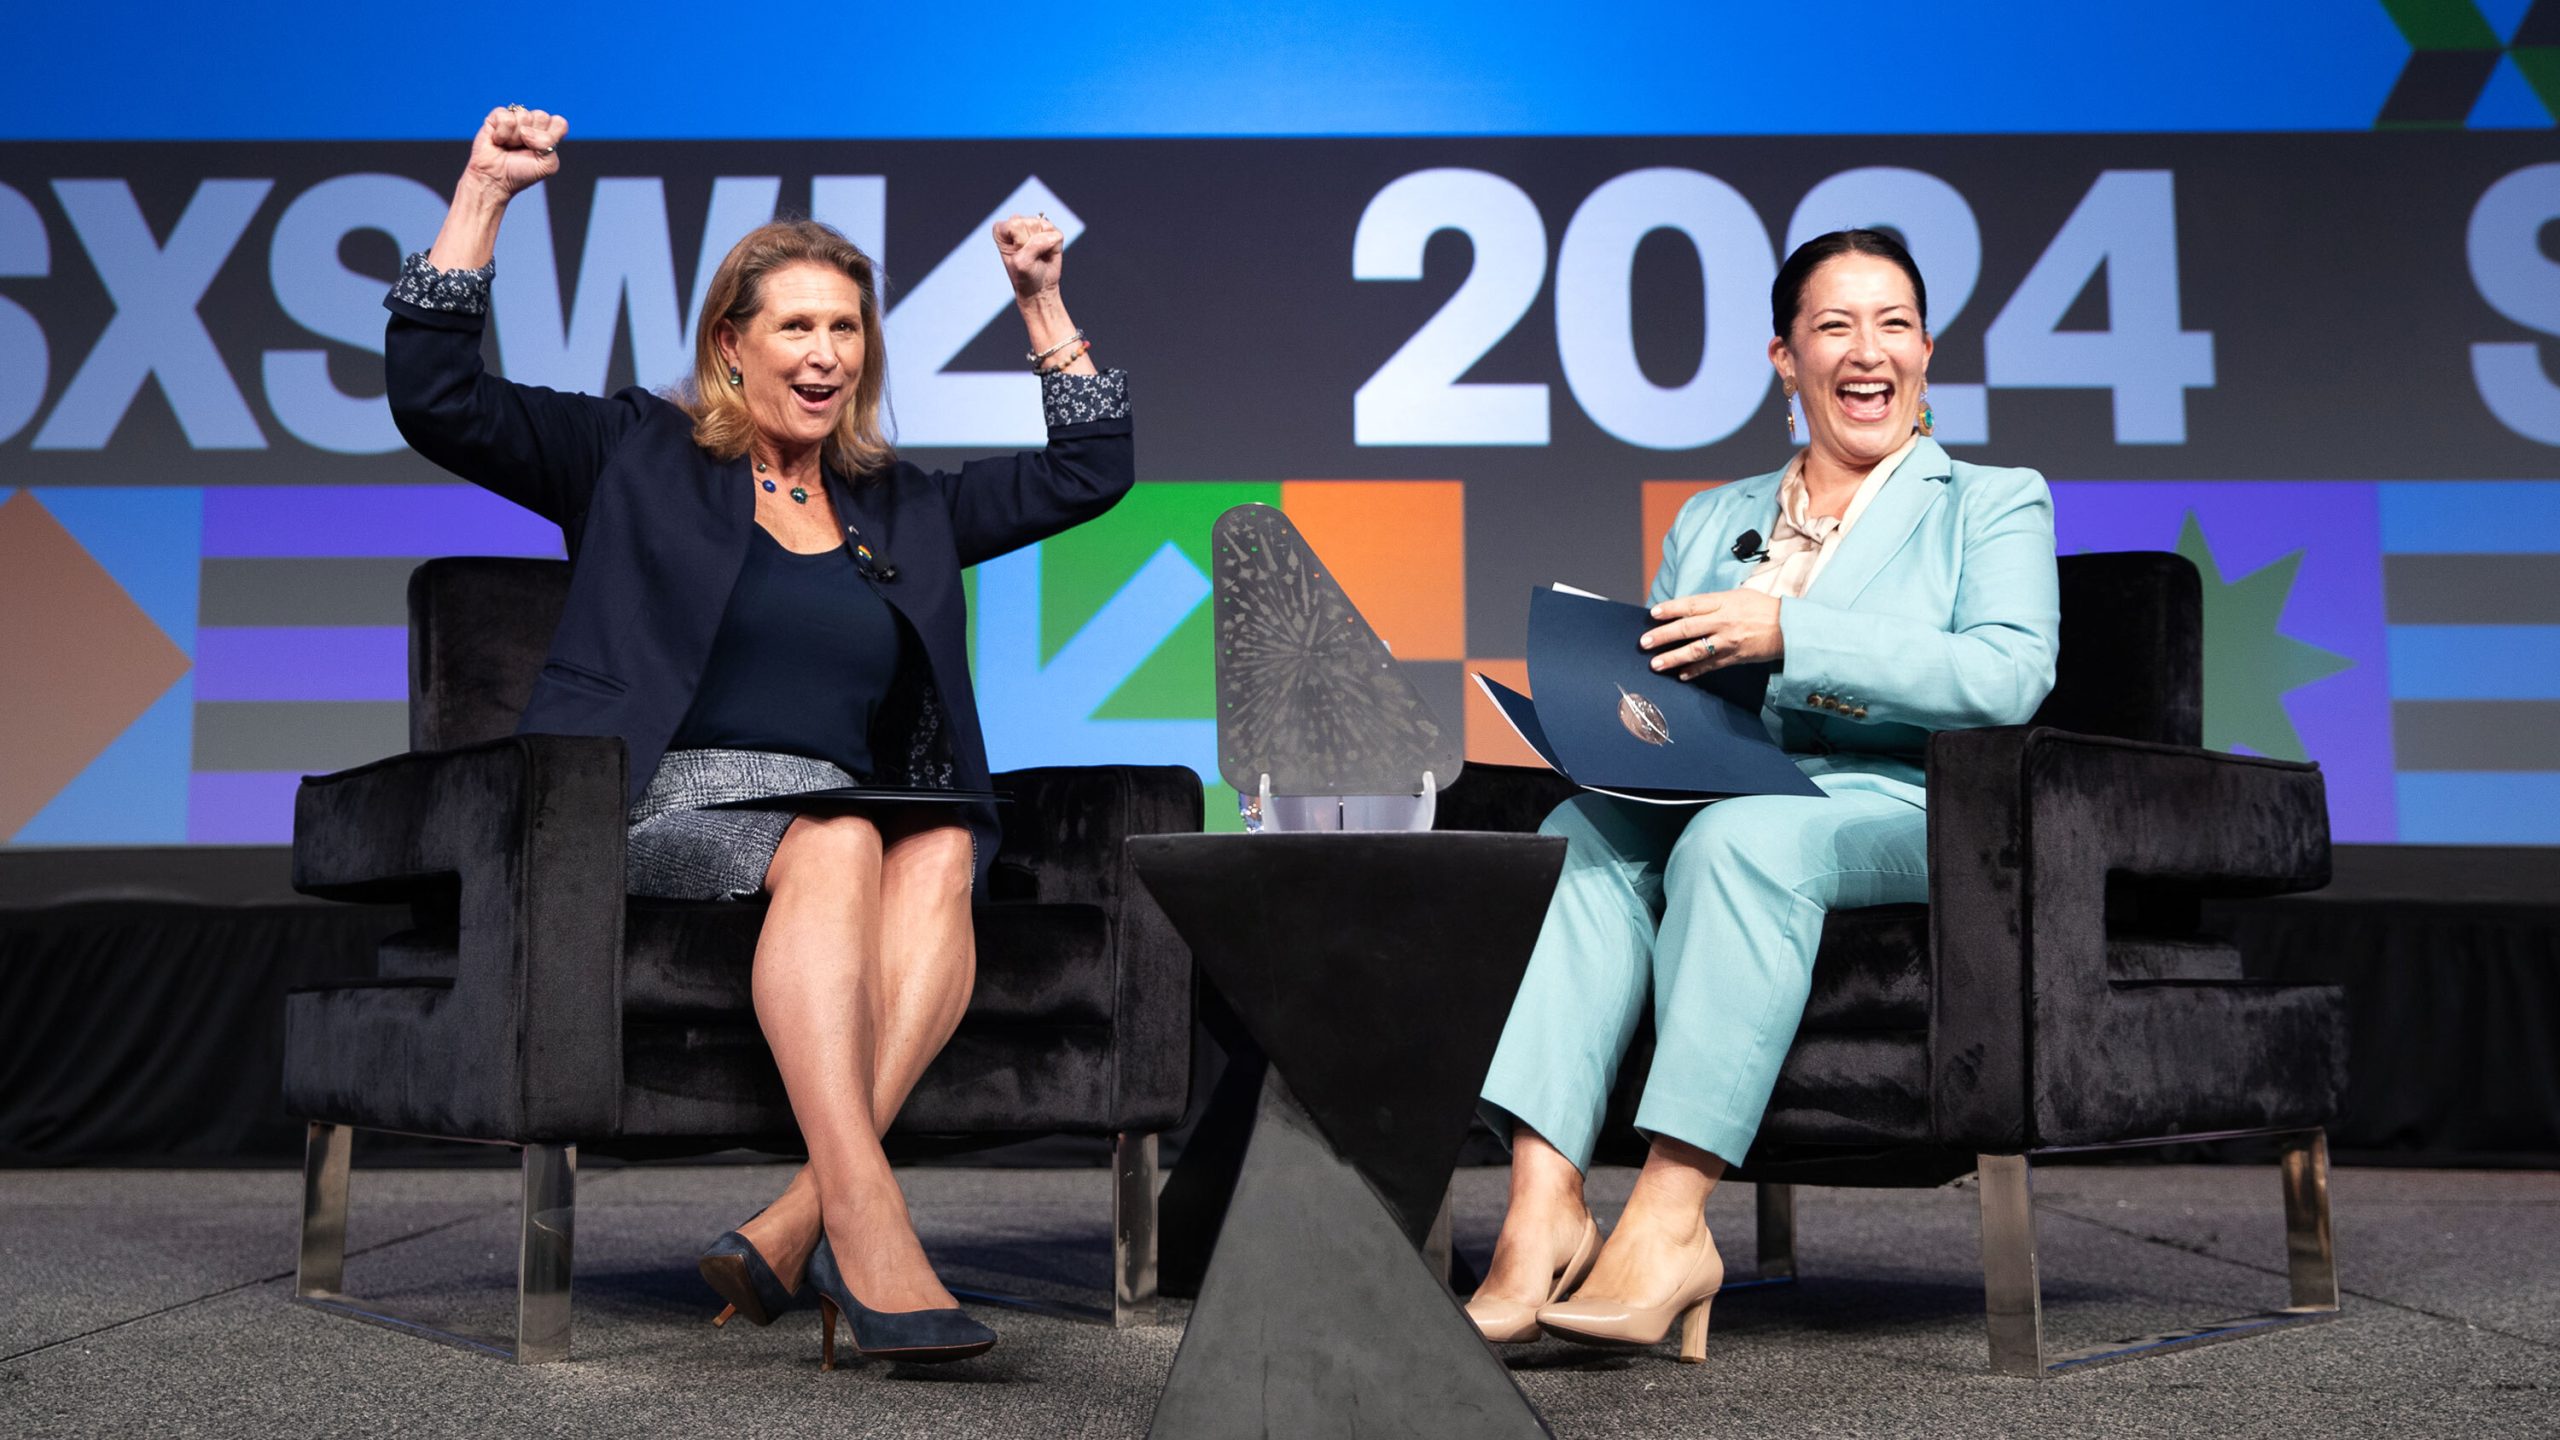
[[721, 423]]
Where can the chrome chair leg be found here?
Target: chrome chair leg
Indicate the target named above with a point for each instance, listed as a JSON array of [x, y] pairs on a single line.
[[1776, 1205], [321, 1268], [546, 1223], [2013, 1301], [1133, 1231], [547, 1231], [2311, 1261], [1134, 1298], [1440, 1247]]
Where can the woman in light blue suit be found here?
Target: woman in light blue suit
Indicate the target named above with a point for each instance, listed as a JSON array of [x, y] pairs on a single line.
[[1900, 593]]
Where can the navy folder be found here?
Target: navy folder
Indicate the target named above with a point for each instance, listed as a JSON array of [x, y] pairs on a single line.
[[1606, 721]]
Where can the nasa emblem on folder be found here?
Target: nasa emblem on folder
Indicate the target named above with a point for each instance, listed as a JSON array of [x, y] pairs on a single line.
[[1642, 718]]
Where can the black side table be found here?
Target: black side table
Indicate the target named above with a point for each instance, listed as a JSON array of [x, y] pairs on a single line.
[[1375, 970]]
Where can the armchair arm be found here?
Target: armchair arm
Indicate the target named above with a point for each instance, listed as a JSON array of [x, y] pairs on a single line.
[[1063, 842], [1062, 832], [2029, 1039], [518, 844]]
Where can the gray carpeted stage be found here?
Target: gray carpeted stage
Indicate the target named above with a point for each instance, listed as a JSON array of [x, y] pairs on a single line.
[[153, 1303]]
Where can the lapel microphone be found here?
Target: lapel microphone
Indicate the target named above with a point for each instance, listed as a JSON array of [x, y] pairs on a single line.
[[875, 566], [1747, 546]]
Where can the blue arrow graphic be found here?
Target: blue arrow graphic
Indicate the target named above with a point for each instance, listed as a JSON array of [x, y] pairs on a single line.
[[1039, 714]]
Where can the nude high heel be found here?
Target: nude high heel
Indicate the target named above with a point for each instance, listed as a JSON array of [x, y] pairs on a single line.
[[1509, 1322], [1597, 1320]]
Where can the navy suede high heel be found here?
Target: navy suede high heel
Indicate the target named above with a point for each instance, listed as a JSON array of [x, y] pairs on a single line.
[[922, 1337], [734, 1268]]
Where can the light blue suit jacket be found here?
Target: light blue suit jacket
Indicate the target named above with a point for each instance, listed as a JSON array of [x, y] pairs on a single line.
[[1940, 611]]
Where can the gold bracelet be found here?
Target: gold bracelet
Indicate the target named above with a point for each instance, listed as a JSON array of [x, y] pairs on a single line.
[[1041, 357]]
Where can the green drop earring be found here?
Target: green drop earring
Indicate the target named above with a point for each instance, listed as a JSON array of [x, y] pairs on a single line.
[[736, 379], [1928, 417]]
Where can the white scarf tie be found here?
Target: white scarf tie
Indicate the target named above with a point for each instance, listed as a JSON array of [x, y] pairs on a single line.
[[1801, 544]]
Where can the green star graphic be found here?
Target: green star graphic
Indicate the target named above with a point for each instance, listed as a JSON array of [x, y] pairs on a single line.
[[2248, 664]]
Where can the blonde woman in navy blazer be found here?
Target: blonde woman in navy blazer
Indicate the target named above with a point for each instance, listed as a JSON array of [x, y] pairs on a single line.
[[1902, 593], [765, 599]]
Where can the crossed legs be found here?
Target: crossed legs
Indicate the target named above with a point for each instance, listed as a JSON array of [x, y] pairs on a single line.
[[862, 973]]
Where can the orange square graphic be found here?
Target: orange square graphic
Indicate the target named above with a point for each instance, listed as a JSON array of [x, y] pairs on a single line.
[[1662, 502], [83, 659], [1490, 738], [1399, 550]]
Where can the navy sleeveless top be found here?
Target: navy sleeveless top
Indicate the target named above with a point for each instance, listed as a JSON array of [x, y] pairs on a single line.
[[805, 653]]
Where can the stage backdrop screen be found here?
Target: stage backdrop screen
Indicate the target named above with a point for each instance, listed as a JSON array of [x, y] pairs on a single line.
[[1478, 314]]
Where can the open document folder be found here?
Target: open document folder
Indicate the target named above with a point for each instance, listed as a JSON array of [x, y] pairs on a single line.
[[1604, 720]]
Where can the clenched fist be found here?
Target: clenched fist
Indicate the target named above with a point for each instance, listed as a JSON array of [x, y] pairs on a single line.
[[1034, 253], [515, 149]]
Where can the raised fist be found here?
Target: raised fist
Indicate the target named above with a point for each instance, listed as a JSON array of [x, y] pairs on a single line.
[[1034, 253], [515, 147]]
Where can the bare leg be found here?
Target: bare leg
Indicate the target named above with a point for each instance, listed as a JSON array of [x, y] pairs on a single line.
[[928, 964], [788, 1229], [1662, 1227], [1541, 1227], [817, 981], [926, 970], [929, 957]]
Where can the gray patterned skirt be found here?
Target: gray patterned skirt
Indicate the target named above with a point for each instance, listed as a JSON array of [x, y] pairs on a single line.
[[677, 850]]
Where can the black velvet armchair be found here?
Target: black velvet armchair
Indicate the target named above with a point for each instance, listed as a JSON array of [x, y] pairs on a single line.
[[2056, 994], [532, 1004]]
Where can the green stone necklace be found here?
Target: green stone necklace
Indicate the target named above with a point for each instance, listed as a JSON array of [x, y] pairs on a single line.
[[799, 494]]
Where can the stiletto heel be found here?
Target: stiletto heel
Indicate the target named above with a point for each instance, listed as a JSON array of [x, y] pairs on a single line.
[[737, 1271], [1693, 1333], [1508, 1322], [923, 1337]]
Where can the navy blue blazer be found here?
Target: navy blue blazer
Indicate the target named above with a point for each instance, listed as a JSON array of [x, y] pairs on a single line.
[[657, 529]]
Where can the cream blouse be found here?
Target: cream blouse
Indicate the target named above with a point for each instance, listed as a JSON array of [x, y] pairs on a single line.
[[1802, 544]]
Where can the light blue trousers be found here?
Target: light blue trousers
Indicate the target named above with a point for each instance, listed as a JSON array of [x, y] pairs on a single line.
[[1713, 913]]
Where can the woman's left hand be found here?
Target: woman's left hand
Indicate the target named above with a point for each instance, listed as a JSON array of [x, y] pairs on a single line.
[[1034, 253], [1707, 632]]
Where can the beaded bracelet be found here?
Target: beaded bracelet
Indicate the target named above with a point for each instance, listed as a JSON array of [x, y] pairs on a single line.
[[1036, 357], [1083, 349]]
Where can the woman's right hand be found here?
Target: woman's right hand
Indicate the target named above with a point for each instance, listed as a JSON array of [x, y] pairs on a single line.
[[516, 149]]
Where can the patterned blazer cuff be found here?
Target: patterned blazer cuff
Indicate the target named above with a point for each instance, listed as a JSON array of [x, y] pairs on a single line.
[[1079, 399], [459, 292]]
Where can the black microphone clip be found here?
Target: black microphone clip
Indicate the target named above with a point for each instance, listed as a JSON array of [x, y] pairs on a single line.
[[1747, 546], [874, 567]]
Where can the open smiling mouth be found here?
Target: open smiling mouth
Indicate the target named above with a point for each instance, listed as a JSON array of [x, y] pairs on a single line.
[[815, 396], [1866, 400]]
